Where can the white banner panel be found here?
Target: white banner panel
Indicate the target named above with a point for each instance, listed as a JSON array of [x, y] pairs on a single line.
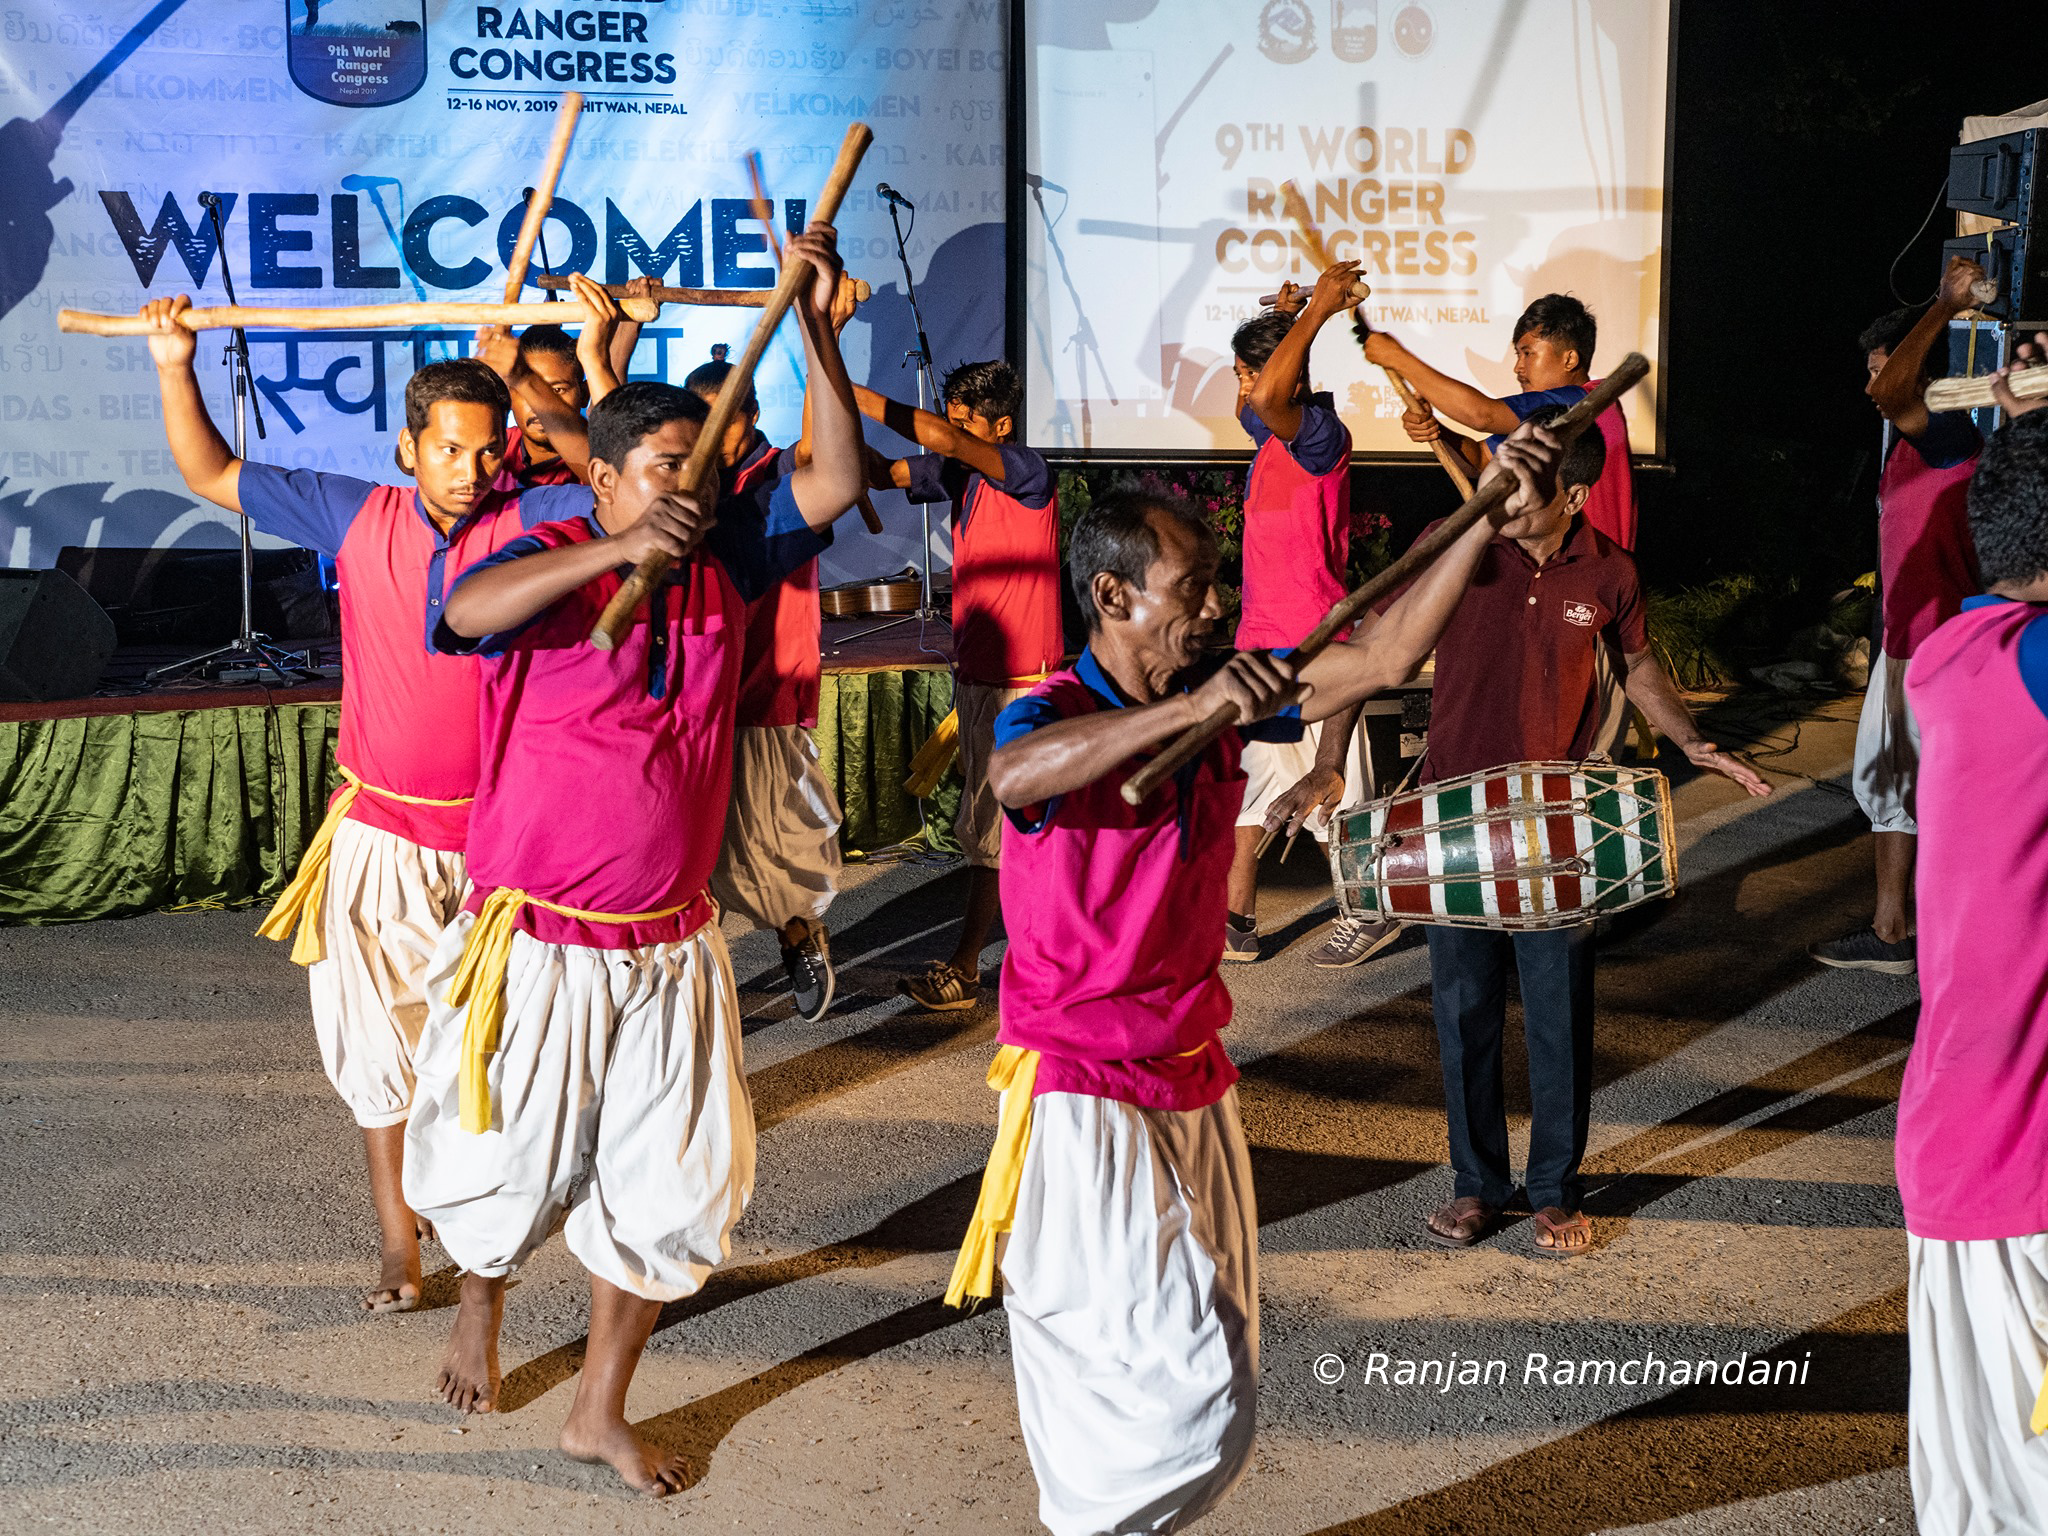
[[375, 151], [1472, 153]]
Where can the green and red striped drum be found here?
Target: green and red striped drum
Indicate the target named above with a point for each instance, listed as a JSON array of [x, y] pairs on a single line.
[[1532, 845]]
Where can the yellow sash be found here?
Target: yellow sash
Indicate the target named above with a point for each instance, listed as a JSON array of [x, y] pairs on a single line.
[[1014, 1074], [480, 982], [939, 749], [2039, 1423], [303, 903]]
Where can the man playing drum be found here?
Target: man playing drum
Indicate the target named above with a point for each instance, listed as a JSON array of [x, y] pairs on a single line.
[[1120, 1175], [1515, 682]]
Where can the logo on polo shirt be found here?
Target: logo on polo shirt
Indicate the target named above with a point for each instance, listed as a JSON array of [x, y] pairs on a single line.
[[1585, 615]]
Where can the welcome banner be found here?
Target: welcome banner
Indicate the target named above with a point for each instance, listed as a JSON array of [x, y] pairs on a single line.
[[376, 151]]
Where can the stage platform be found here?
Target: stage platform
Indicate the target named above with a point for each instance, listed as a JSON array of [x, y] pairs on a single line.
[[205, 794]]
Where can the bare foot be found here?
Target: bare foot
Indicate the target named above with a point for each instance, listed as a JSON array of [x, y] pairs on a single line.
[[424, 1229], [398, 1287], [469, 1378], [612, 1441]]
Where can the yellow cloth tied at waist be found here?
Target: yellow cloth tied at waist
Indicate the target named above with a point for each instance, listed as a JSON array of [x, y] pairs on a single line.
[[943, 745], [480, 982], [304, 902], [2039, 1422], [1014, 1074]]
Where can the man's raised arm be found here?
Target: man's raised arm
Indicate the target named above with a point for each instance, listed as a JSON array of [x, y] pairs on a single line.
[[1276, 393], [931, 431], [203, 457]]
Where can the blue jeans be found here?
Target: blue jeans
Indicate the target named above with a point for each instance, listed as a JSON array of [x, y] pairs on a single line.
[[1468, 973]]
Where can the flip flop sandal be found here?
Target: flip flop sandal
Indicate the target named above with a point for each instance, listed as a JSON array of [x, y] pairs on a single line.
[[1461, 1210], [1577, 1221]]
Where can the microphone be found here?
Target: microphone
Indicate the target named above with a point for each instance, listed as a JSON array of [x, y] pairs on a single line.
[[526, 194], [209, 199], [889, 194]]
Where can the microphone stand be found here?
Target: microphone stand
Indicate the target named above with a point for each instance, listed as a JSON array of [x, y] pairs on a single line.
[[927, 392], [257, 654]]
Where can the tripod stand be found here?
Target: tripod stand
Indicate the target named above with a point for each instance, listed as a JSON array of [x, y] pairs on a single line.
[[249, 651], [927, 397]]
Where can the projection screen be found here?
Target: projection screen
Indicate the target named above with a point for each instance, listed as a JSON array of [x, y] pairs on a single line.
[[1474, 154]]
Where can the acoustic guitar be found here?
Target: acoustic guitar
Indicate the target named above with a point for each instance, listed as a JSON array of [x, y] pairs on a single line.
[[888, 594]]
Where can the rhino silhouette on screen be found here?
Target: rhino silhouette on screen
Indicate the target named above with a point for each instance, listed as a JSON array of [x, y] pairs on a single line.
[[28, 188]]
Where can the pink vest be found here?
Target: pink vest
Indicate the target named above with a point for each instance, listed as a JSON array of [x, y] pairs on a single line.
[[1297, 541], [1926, 561], [408, 714], [1611, 504], [1973, 1111], [1115, 916]]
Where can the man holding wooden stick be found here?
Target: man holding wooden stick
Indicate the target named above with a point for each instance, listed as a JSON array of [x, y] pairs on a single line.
[[384, 874], [1297, 543], [1120, 1176], [581, 1066]]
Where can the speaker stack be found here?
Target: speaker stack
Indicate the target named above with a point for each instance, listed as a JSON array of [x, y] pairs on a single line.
[[54, 639]]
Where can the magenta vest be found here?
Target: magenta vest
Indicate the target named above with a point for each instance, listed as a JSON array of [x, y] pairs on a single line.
[[1973, 1110], [1115, 916], [1297, 541], [1926, 561]]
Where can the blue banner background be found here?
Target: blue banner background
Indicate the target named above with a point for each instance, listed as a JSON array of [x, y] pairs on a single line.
[[110, 126]]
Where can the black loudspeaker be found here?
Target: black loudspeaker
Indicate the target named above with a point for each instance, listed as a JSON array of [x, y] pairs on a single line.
[[2005, 178], [54, 639], [194, 596]]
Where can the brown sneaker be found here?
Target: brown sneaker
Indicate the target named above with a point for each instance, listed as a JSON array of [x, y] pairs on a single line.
[[939, 988]]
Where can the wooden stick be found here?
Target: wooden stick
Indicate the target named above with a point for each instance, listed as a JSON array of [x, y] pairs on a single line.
[[1490, 494], [728, 298], [1297, 209], [1972, 393], [361, 317], [1453, 465], [619, 613], [566, 114], [1360, 292]]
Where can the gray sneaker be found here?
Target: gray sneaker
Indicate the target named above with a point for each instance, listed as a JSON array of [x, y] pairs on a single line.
[[1863, 950], [809, 966], [1240, 945], [1353, 941]]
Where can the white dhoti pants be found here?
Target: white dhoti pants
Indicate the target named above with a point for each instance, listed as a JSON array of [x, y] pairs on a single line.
[[781, 854], [1977, 1326], [1274, 767], [388, 901], [619, 1113], [1887, 767], [1130, 1277]]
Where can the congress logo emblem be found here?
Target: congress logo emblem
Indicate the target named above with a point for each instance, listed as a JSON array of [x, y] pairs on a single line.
[[357, 53]]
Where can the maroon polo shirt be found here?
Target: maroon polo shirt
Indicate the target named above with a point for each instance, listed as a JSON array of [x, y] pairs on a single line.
[[1514, 669]]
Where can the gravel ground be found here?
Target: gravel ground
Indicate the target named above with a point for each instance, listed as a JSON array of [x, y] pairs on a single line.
[[189, 1230]]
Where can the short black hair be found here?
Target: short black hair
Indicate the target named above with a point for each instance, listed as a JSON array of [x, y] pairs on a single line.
[[707, 379], [1889, 329], [989, 389], [1258, 338], [1564, 321], [467, 380], [1584, 456], [547, 338], [2009, 502], [633, 411], [1116, 535]]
